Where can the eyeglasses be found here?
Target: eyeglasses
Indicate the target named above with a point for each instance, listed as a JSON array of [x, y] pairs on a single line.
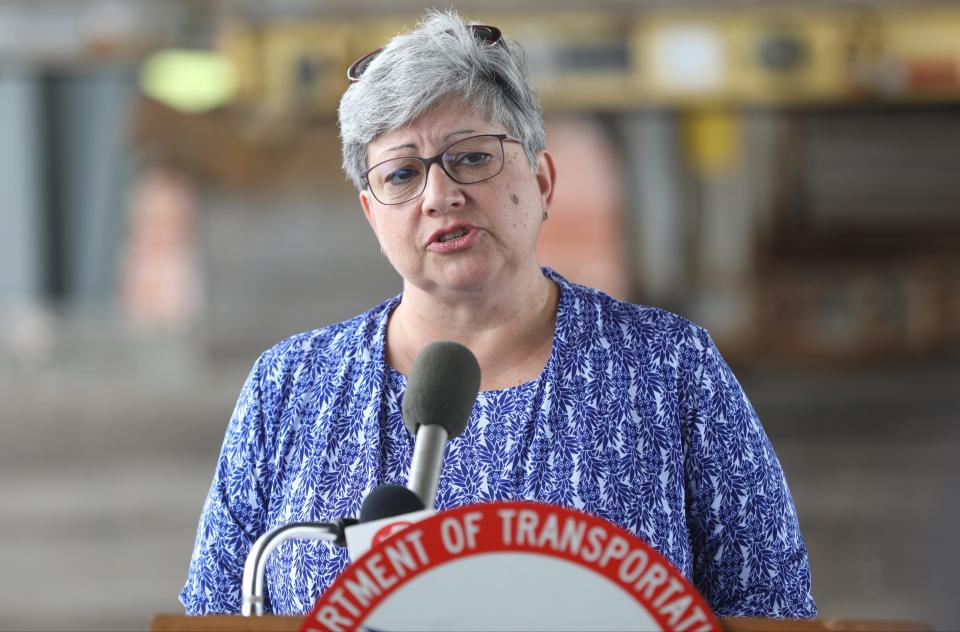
[[489, 35], [466, 161]]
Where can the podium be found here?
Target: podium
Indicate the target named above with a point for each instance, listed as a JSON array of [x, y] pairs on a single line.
[[567, 570], [235, 623]]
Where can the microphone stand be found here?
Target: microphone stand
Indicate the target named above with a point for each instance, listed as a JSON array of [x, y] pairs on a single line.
[[255, 566], [427, 459]]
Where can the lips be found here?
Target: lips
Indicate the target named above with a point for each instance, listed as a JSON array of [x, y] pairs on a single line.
[[452, 238], [450, 233]]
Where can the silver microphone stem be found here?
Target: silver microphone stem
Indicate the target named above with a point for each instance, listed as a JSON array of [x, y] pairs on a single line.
[[255, 566], [425, 471]]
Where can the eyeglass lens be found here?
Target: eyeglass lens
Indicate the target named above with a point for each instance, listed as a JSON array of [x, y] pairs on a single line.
[[467, 161]]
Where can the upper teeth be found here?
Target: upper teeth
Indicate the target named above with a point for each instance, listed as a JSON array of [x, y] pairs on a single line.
[[454, 235]]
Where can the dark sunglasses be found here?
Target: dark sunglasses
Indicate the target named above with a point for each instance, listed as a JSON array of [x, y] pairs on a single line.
[[489, 35]]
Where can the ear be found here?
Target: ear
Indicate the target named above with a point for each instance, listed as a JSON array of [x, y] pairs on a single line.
[[546, 175], [368, 212]]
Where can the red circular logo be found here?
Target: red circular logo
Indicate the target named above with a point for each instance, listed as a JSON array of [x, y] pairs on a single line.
[[528, 565]]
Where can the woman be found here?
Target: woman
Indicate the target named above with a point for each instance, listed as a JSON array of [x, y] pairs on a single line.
[[623, 411]]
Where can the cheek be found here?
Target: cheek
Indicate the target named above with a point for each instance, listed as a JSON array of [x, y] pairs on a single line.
[[522, 220], [393, 230]]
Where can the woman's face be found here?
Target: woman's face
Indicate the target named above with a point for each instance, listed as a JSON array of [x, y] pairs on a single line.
[[501, 216]]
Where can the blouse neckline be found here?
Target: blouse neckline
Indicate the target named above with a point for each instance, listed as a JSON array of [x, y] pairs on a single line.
[[379, 350]]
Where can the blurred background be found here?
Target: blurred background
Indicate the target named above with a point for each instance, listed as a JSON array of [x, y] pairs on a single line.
[[786, 174]]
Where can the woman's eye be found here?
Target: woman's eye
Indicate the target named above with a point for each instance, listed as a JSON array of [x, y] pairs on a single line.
[[400, 176], [473, 159]]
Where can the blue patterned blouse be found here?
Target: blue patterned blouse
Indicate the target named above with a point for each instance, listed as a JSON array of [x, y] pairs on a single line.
[[635, 418]]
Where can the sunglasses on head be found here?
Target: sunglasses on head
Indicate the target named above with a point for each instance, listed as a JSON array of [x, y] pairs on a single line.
[[489, 35]]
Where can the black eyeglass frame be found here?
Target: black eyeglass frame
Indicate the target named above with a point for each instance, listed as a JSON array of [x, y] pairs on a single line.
[[438, 159], [489, 35]]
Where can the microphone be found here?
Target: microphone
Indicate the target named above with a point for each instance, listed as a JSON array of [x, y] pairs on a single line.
[[389, 500], [388, 508], [444, 382]]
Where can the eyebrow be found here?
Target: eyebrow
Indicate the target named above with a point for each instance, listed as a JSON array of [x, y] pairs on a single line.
[[458, 132], [445, 139]]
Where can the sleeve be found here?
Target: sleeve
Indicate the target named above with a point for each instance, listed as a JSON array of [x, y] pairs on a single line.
[[234, 513], [749, 558]]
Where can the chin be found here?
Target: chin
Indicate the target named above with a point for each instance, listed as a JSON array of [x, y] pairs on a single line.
[[465, 276]]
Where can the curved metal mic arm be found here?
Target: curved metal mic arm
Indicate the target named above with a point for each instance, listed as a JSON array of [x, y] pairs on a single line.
[[256, 564]]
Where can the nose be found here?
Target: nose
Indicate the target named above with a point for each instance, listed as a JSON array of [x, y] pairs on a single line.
[[441, 193]]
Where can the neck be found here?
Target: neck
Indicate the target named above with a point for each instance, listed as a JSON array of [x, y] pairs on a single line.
[[508, 327]]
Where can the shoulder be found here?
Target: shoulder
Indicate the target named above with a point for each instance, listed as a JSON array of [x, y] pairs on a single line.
[[591, 312], [320, 350]]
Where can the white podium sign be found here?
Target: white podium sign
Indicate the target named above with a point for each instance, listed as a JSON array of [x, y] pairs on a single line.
[[511, 566]]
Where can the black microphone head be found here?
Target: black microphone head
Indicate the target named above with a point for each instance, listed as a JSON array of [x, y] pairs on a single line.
[[444, 382], [388, 500]]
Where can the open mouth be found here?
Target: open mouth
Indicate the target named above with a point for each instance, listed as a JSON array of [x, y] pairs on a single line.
[[455, 234], [453, 238]]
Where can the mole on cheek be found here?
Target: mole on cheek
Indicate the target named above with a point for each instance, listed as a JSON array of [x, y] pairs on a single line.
[[515, 198]]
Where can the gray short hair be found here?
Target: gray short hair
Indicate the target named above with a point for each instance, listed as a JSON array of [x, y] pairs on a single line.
[[416, 70]]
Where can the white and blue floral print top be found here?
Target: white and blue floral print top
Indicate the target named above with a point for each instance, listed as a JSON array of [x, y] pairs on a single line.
[[636, 418]]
